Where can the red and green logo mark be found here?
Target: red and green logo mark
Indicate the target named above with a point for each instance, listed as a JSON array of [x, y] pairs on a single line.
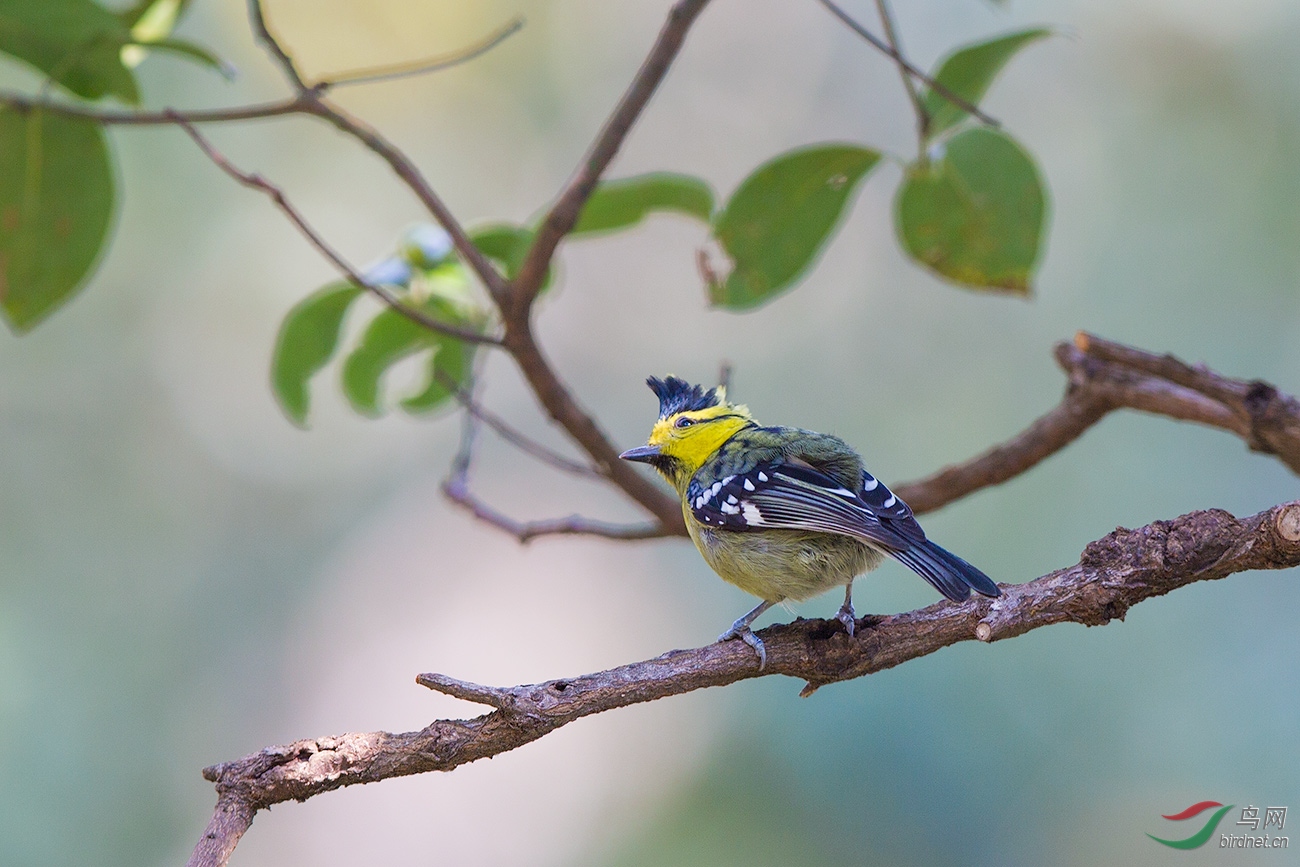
[[1201, 836]]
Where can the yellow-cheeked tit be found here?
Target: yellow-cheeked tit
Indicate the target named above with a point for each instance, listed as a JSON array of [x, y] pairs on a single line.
[[785, 513]]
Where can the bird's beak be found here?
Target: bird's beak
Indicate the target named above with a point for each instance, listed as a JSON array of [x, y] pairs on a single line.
[[643, 454]]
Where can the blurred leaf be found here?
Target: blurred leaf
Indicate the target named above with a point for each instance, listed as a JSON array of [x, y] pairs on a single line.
[[133, 55], [151, 23], [449, 283], [975, 213], [451, 362], [56, 204], [150, 20], [308, 338], [625, 202], [391, 337], [505, 243], [393, 271], [75, 42], [425, 246], [968, 72], [780, 218], [508, 244]]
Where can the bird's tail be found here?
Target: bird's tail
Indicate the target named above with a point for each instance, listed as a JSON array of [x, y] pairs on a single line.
[[951, 575]]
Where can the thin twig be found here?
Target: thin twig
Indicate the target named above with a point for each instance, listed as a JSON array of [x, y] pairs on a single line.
[[263, 33], [896, 49], [314, 103], [884, 47], [554, 396], [511, 434], [395, 71], [457, 489], [257, 182], [415, 181], [568, 206], [724, 375], [1113, 574], [115, 117], [571, 525]]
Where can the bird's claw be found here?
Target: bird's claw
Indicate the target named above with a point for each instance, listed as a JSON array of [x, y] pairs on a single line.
[[745, 634], [847, 616]]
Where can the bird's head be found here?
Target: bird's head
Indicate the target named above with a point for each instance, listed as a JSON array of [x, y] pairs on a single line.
[[693, 423]]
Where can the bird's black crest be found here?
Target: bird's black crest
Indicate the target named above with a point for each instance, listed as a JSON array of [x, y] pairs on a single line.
[[678, 395]]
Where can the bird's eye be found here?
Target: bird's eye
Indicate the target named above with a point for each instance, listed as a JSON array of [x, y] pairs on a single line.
[[684, 422]]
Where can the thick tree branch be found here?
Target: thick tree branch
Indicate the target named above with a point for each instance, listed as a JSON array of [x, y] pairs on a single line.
[[1106, 376], [1112, 575]]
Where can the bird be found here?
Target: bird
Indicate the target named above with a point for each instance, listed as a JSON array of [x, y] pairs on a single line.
[[785, 513]]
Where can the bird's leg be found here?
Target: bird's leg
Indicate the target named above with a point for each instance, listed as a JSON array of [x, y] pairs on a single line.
[[740, 629], [846, 614]]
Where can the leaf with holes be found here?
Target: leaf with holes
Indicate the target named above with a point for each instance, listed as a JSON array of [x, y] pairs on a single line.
[[975, 212], [779, 219], [308, 339], [56, 206], [622, 203], [77, 43], [968, 73], [391, 337]]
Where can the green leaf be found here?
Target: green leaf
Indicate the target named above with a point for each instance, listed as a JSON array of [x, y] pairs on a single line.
[[153, 19], [968, 73], [308, 338], [133, 55], [77, 43], [780, 218], [451, 362], [56, 205], [975, 213], [151, 23], [391, 337], [625, 202], [508, 244], [505, 243]]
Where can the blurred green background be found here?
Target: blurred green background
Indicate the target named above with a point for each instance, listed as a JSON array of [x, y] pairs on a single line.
[[186, 578]]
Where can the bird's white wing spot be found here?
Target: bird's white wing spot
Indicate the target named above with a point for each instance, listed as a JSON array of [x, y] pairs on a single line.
[[890, 502], [717, 486], [729, 509], [752, 514], [749, 486], [870, 484], [843, 492], [762, 476], [731, 498]]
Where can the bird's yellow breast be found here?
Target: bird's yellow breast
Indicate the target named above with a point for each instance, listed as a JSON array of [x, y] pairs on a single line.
[[782, 564]]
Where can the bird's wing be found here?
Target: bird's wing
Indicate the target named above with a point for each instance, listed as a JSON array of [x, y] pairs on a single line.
[[794, 495]]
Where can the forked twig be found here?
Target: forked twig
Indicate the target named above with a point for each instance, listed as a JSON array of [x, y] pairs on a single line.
[[257, 182]]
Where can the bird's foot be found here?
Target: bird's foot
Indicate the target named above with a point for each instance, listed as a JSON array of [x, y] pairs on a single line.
[[847, 616], [744, 633]]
